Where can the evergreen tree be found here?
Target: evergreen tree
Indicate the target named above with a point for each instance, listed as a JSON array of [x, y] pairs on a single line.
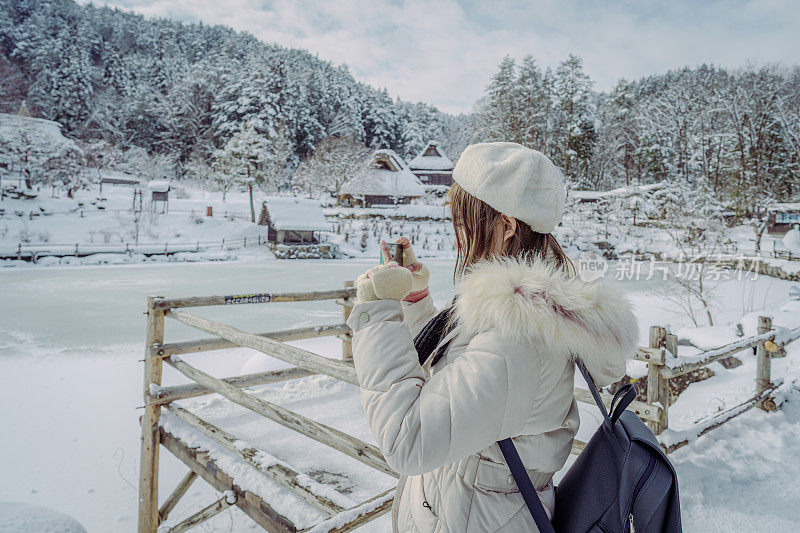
[[577, 133], [63, 83]]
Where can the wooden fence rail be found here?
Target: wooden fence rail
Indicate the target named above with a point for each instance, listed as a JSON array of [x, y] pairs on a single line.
[[653, 409]]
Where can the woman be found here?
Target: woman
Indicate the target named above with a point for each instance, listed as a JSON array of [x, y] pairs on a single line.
[[498, 363]]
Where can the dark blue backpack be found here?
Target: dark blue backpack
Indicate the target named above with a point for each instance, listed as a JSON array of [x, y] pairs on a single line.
[[622, 482]]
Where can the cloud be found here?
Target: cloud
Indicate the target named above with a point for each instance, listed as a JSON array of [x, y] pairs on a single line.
[[444, 52]]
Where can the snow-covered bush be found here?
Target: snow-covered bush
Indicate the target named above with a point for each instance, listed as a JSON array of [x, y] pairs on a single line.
[[24, 234], [180, 192]]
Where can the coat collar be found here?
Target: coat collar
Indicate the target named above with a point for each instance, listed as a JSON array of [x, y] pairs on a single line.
[[535, 303]]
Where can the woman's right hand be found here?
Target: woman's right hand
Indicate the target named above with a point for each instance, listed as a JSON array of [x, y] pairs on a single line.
[[420, 275]]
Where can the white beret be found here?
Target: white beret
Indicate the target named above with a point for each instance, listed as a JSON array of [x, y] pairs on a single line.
[[515, 180]]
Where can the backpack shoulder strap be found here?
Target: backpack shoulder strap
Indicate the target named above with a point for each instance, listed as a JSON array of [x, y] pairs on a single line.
[[592, 388], [525, 486], [624, 396]]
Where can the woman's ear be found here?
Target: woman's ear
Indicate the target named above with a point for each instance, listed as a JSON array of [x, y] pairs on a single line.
[[509, 227]]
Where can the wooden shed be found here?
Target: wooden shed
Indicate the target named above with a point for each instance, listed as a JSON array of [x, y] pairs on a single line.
[[432, 167], [387, 180], [782, 216], [292, 220], [159, 202]]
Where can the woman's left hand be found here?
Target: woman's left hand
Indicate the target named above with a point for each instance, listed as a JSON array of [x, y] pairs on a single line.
[[388, 281]]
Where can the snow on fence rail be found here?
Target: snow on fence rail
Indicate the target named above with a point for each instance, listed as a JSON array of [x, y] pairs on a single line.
[[34, 252], [101, 210], [340, 513]]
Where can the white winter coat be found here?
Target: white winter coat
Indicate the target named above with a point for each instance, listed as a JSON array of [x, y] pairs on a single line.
[[507, 372]]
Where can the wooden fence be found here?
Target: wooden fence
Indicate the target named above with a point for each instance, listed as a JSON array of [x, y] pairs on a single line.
[[33, 252], [653, 409]]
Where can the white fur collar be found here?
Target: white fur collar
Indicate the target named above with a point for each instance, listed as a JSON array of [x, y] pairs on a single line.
[[534, 302]]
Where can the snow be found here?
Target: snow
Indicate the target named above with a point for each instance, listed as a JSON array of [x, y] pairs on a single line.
[[298, 214], [116, 174], [396, 212], [10, 124], [18, 517], [383, 182], [431, 162], [708, 337], [791, 240], [104, 225], [743, 475], [351, 514], [158, 186], [79, 453], [784, 206], [620, 191]]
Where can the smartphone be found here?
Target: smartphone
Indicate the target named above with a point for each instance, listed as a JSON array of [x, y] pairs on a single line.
[[396, 250]]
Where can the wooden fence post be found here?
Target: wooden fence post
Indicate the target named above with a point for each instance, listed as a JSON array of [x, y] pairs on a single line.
[[347, 346], [657, 385], [763, 365], [148, 469]]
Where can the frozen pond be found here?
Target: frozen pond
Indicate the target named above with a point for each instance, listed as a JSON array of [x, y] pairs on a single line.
[[70, 379], [53, 309]]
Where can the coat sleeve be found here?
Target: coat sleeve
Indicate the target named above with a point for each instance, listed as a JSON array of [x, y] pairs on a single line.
[[485, 395], [417, 314]]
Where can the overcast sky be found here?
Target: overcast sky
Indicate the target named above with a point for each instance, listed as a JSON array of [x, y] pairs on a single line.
[[444, 52]]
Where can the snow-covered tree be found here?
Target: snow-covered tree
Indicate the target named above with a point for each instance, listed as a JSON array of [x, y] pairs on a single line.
[[334, 161], [499, 116], [576, 124], [242, 159], [41, 157], [692, 218], [63, 84]]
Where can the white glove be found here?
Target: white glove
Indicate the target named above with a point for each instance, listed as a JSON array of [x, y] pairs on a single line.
[[384, 282]]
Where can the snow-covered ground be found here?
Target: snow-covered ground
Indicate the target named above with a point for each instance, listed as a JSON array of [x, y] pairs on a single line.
[[71, 339], [105, 218], [103, 222]]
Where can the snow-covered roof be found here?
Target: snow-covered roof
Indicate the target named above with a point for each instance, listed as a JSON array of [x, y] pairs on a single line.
[[431, 158], [117, 175], [296, 214], [785, 206], [47, 131], [158, 185], [386, 175], [620, 191]]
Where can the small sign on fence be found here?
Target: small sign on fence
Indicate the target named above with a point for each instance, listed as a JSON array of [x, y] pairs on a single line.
[[254, 298]]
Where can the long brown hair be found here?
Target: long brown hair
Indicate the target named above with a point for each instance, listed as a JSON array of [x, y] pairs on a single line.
[[474, 221]]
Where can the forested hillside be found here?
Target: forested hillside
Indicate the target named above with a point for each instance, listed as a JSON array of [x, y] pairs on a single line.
[[184, 89], [731, 134], [189, 96]]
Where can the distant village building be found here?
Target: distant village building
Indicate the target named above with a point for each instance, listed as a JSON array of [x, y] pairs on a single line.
[[387, 180], [782, 216], [159, 202], [620, 192], [116, 177], [432, 167], [292, 220]]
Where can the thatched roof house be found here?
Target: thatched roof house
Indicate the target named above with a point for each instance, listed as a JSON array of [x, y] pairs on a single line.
[[432, 167], [387, 180]]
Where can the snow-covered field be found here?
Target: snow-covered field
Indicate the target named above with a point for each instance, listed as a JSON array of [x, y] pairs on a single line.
[[70, 379]]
